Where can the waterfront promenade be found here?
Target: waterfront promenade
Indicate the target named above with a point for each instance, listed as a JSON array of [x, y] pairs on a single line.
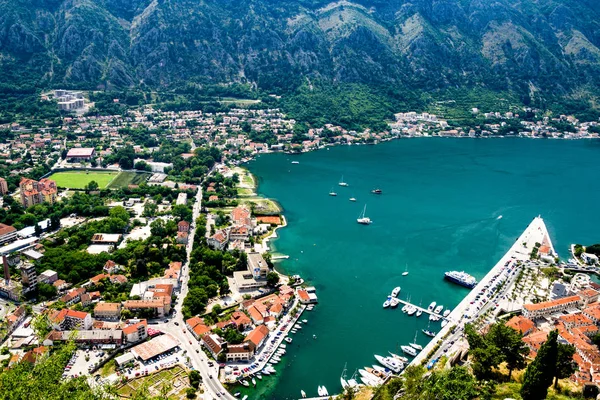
[[536, 232]]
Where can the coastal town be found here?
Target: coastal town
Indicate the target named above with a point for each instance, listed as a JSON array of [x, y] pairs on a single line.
[[140, 242]]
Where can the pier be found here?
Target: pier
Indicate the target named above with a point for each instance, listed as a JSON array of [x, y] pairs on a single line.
[[536, 232]]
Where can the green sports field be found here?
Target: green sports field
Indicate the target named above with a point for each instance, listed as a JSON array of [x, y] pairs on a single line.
[[105, 179]]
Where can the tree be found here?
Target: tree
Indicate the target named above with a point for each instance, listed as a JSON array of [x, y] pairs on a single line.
[[190, 393], [454, 384], [486, 355], [565, 365], [194, 378], [46, 291], [509, 342], [91, 186], [540, 373], [38, 230], [272, 279]]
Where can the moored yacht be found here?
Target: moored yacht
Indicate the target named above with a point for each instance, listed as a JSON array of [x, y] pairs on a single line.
[[352, 199], [362, 219], [411, 310], [387, 302], [438, 309], [342, 183], [303, 393], [446, 312], [389, 362], [431, 306], [343, 380], [428, 332], [409, 350], [419, 312], [369, 376], [376, 191], [396, 356], [394, 302], [332, 193], [396, 291], [414, 344]]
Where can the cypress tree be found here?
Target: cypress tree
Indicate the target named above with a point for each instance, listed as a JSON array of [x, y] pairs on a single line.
[[540, 373]]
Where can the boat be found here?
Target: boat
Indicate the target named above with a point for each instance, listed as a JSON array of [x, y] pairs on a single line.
[[367, 381], [461, 278], [325, 392], [387, 302], [405, 271], [394, 302], [414, 344], [362, 219], [245, 397], [396, 291], [265, 371], [245, 383], [431, 306], [293, 331], [320, 391], [253, 381], [396, 356], [342, 183], [419, 312], [428, 332], [389, 362], [274, 361], [314, 336], [305, 321], [434, 318], [298, 326], [352, 382], [405, 308], [352, 199], [332, 193], [288, 339], [378, 372], [295, 162], [376, 191], [303, 393], [343, 380], [446, 312], [411, 310], [259, 376], [444, 323], [438, 309], [237, 394], [409, 350], [369, 376]]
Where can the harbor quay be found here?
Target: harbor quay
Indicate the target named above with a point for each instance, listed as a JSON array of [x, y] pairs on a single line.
[[448, 337]]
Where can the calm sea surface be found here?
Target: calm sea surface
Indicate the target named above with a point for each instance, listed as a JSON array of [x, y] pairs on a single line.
[[446, 204]]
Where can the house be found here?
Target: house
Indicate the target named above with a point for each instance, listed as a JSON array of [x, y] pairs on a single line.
[[545, 308], [89, 298], [34, 192], [183, 226], [257, 265], [307, 296], [61, 285], [7, 234], [214, 343], [106, 238], [33, 355], [521, 324], [48, 276], [156, 307], [258, 336], [136, 332], [109, 311], [240, 320], [73, 296], [86, 337], [589, 258], [67, 319], [182, 238], [118, 279], [197, 327], [111, 267], [240, 352], [219, 240], [239, 233], [80, 153]]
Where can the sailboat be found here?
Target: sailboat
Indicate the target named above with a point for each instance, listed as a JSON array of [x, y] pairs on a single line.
[[352, 382], [362, 219], [332, 193], [342, 183], [414, 344], [343, 378], [405, 271]]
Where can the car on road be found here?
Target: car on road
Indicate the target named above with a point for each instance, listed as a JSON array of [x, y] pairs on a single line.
[[176, 323]]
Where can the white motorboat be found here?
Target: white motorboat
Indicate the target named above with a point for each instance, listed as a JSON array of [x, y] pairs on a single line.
[[411, 310], [438, 309], [320, 391], [288, 339], [273, 361], [409, 350], [253, 381], [419, 312], [305, 321], [297, 326], [387, 302], [378, 372], [381, 369], [396, 356], [434, 318], [352, 199], [390, 363], [446, 313], [396, 291], [362, 219], [405, 271], [325, 392], [367, 381], [259, 376], [295, 162], [352, 381], [431, 306], [245, 383], [444, 323], [394, 302], [303, 393], [245, 397], [405, 308], [265, 371]]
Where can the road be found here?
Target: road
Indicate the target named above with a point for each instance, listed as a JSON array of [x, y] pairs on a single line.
[[176, 325]]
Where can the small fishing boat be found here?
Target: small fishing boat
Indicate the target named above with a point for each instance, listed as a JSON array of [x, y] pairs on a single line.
[[253, 381], [303, 393], [376, 191], [245, 383]]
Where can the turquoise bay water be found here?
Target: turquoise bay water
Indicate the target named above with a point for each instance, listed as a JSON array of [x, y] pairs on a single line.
[[439, 211]]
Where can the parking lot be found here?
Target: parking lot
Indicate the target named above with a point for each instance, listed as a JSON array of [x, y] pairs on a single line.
[[78, 365]]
